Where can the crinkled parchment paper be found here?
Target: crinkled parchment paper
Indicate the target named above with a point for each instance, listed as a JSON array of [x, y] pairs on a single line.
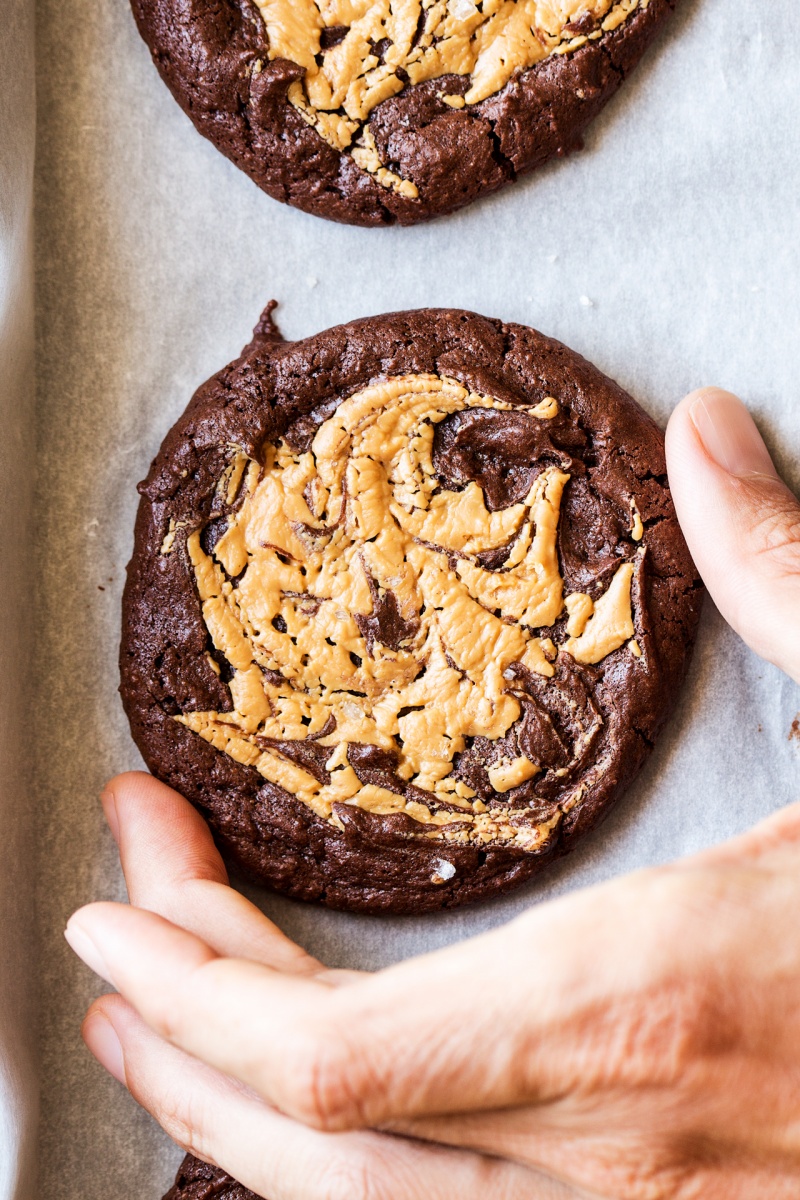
[[668, 253]]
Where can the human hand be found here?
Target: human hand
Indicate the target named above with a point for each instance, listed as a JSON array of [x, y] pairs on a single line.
[[172, 868], [635, 1041]]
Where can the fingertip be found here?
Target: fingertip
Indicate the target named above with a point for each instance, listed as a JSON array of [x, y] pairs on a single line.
[[87, 951], [79, 936], [711, 443], [109, 803], [722, 429], [116, 1010], [682, 432], [103, 1041], [157, 827], [123, 1017], [88, 913], [138, 788], [708, 391], [739, 519], [688, 471], [126, 937], [681, 440], [119, 790], [128, 781]]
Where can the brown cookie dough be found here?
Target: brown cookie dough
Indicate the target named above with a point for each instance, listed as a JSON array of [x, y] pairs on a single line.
[[407, 607], [197, 1180], [381, 111]]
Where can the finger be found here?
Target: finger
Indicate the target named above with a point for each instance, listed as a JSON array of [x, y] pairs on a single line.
[[403, 1043], [615, 1159], [741, 521], [218, 1121], [173, 868], [234, 1015], [585, 1148]]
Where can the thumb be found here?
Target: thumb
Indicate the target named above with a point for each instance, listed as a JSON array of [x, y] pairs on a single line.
[[741, 521]]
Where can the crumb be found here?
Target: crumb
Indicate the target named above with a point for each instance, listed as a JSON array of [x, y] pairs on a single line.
[[794, 732], [586, 302]]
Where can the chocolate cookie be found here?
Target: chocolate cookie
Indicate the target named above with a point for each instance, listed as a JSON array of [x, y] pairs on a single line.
[[376, 111], [196, 1180], [407, 607]]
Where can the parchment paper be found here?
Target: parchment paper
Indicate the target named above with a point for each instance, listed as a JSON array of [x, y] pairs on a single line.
[[679, 224]]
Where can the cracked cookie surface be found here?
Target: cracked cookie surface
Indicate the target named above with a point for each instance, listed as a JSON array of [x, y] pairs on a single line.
[[376, 111], [407, 607], [197, 1180]]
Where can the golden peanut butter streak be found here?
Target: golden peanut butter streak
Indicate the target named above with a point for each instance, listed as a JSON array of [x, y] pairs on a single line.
[[381, 46], [348, 599]]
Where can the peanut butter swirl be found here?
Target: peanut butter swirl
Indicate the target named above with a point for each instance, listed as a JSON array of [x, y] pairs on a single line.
[[365, 639], [358, 53]]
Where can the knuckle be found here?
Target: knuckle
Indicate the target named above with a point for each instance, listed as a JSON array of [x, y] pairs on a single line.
[[698, 1023], [633, 1169], [324, 1082], [652, 1041], [678, 1016], [687, 1024], [341, 1089], [658, 1177]]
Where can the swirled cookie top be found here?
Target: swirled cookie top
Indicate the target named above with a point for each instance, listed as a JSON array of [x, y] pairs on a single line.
[[357, 53], [371, 619]]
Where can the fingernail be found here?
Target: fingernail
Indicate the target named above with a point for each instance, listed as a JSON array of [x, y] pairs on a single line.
[[101, 1038], [110, 809], [87, 950], [729, 434]]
